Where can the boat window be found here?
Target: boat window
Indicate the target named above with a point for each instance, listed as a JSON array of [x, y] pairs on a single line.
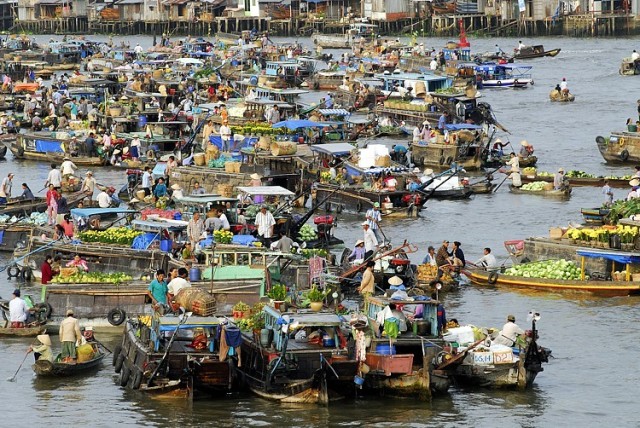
[[227, 259], [243, 259]]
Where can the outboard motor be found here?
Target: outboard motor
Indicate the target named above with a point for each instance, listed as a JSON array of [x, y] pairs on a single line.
[[324, 224]]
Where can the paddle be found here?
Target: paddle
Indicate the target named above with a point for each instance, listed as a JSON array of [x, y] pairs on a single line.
[[503, 180], [13, 378]]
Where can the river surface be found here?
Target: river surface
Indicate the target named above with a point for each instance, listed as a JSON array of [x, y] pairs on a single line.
[[595, 373]]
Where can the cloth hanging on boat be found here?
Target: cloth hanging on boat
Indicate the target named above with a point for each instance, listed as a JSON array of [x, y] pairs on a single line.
[[234, 343], [391, 328], [361, 345]]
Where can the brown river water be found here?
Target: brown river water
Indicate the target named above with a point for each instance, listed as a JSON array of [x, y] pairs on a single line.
[[595, 371]]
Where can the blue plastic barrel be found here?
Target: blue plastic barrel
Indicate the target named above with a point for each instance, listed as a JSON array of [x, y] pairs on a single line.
[[253, 80], [177, 216], [166, 245], [382, 348], [194, 274], [142, 122]]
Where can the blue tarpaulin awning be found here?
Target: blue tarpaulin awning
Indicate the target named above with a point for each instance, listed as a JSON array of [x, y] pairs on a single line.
[[88, 212], [301, 123], [625, 258], [460, 126], [47, 146]]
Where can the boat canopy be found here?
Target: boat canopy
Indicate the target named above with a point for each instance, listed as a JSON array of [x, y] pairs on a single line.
[[333, 149], [616, 256], [301, 123], [154, 225], [171, 323], [88, 212], [461, 126], [205, 199], [266, 191], [334, 112]]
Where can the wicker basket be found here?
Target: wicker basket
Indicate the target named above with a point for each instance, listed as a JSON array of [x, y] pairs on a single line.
[[225, 190], [197, 301]]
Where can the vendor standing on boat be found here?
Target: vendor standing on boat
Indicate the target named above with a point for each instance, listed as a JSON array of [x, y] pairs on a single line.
[[264, 224], [509, 333], [69, 336], [608, 194], [5, 188], [514, 161], [374, 217], [158, 289], [147, 179], [516, 178], [54, 177], [177, 284], [225, 136], [47, 270], [18, 311], [68, 168], [558, 179], [368, 282], [195, 229], [42, 351], [89, 184], [370, 241]]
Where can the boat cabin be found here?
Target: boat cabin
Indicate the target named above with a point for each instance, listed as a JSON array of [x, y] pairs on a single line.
[[412, 82], [459, 54], [503, 75]]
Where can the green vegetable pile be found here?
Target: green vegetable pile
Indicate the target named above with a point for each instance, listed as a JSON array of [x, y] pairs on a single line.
[[551, 269], [114, 235], [307, 233], [93, 278], [578, 174], [536, 186], [218, 163], [320, 252], [544, 174], [623, 209], [252, 210]]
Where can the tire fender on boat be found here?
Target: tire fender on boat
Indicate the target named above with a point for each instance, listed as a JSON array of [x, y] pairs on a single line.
[[136, 379], [20, 151], [13, 271], [359, 206], [498, 83], [116, 353], [449, 160], [117, 367], [624, 155], [45, 308], [493, 278], [116, 316], [441, 160], [600, 140], [26, 274], [125, 373]]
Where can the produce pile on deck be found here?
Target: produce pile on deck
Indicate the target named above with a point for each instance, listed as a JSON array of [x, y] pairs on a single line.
[[307, 233], [536, 186], [92, 278], [116, 235], [549, 269]]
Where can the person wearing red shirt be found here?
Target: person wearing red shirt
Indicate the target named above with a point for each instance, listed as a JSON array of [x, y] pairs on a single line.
[[67, 226], [47, 272]]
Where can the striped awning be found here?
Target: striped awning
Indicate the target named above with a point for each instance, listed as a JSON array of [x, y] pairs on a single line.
[[333, 112]]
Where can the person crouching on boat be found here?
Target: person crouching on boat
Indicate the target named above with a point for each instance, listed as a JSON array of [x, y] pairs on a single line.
[[526, 149], [516, 178], [558, 179], [18, 311], [357, 254], [399, 290], [69, 336], [634, 193], [78, 263], [177, 284], [564, 88], [42, 351], [509, 333]]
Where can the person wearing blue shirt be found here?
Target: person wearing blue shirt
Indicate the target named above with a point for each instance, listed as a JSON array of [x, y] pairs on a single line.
[[161, 189], [158, 289], [328, 102], [442, 121]]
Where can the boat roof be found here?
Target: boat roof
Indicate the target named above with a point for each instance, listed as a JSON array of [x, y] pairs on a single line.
[[459, 126], [155, 224], [169, 323], [334, 112], [409, 76], [266, 191], [493, 65], [88, 212], [204, 199], [333, 148], [384, 301], [616, 256]]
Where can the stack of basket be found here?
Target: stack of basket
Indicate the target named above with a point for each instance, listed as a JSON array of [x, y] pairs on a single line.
[[225, 190], [197, 301]]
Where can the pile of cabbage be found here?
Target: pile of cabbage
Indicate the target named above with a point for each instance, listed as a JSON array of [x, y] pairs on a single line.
[[550, 269], [307, 233], [536, 186], [35, 218]]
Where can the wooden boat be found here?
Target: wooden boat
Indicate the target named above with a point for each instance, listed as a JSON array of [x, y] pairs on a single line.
[[444, 7], [492, 75], [467, 149], [599, 288], [23, 332], [358, 199], [556, 96], [295, 371], [622, 147], [3, 152], [405, 373], [560, 193], [44, 368], [594, 216], [49, 147], [629, 67], [617, 183], [144, 353], [529, 161], [26, 207], [534, 52]]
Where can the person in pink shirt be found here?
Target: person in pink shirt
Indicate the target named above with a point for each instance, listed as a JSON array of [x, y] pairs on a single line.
[[77, 262]]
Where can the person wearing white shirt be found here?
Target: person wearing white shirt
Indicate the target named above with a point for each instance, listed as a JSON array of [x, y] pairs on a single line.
[[635, 55], [146, 181], [68, 167], [514, 161], [104, 198], [225, 136], [18, 311], [265, 222], [89, 183], [488, 261], [54, 177], [370, 241], [177, 284], [509, 333], [225, 221], [416, 135], [374, 217], [516, 178]]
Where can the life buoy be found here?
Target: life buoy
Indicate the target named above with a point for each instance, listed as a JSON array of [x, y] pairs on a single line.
[[116, 353], [117, 366], [13, 271], [624, 155], [498, 83], [449, 160], [116, 316], [358, 206], [151, 154], [441, 160], [254, 80], [124, 376], [136, 380], [26, 274], [621, 141], [493, 278], [600, 140]]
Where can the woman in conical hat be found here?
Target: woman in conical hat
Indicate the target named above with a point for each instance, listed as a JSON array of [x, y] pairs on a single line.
[[43, 349]]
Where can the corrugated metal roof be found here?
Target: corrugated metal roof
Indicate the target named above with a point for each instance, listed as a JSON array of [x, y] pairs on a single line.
[[124, 2]]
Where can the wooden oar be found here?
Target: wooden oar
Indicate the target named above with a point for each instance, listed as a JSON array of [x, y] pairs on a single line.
[[13, 378], [505, 179]]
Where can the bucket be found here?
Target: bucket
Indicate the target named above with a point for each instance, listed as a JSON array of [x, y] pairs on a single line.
[[358, 380], [166, 245], [615, 242], [328, 341], [199, 159], [424, 327], [382, 348], [421, 89], [177, 216], [194, 274]]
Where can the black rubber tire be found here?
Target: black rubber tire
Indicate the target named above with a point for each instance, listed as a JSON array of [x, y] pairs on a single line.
[[449, 160], [339, 208], [400, 269], [493, 278], [13, 271], [498, 83], [441, 160], [20, 151], [117, 367], [116, 353], [421, 161], [316, 85], [358, 206], [47, 309], [125, 373], [600, 140], [327, 207], [116, 316], [136, 379], [26, 274], [624, 155]]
